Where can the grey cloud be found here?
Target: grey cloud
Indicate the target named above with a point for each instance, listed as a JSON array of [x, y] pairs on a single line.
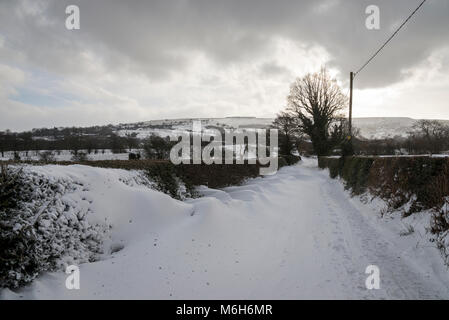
[[269, 69], [155, 37], [160, 39]]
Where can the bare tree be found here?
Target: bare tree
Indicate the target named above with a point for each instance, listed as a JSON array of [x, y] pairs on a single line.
[[156, 147], [316, 100], [3, 144], [117, 143], [289, 133], [429, 136], [131, 141]]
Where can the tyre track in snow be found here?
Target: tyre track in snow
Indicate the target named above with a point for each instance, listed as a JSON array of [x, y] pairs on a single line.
[[400, 278]]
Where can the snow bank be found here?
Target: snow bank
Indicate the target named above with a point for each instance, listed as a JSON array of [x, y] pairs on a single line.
[[118, 198], [76, 214], [297, 234], [162, 238]]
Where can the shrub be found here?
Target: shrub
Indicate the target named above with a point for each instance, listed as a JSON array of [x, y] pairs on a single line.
[[398, 180], [164, 176], [79, 156], [440, 228], [217, 175], [156, 147], [47, 156], [411, 183], [334, 165], [282, 162], [290, 159], [133, 156], [38, 231], [355, 171]]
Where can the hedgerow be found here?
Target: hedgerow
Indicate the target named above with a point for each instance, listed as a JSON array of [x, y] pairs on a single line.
[[412, 184], [173, 179], [395, 179], [39, 229]]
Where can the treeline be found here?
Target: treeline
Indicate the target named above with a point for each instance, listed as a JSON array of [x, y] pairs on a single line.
[[313, 122], [81, 142], [23, 142], [426, 137], [90, 139], [73, 139]]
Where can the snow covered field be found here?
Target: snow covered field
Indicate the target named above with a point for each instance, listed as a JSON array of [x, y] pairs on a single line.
[[293, 235], [67, 155]]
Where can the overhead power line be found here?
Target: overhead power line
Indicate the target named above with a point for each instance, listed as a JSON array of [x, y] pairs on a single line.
[[391, 37]]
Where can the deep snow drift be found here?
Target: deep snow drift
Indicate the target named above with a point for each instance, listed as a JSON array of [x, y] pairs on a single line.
[[293, 235]]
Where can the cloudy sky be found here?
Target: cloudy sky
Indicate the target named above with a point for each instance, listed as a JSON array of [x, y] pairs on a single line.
[[142, 60]]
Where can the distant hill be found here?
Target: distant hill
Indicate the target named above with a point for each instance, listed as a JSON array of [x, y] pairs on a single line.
[[380, 128], [370, 128]]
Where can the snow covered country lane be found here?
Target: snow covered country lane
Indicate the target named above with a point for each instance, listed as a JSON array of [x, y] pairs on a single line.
[[294, 235]]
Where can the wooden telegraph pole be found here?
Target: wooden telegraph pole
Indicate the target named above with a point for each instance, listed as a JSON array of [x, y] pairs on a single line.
[[351, 75], [348, 148]]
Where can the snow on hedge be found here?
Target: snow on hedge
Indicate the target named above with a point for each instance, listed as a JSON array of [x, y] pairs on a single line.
[[67, 215]]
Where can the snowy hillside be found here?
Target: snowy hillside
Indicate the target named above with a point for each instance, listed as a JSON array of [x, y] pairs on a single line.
[[378, 128], [174, 127], [296, 234], [370, 128]]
